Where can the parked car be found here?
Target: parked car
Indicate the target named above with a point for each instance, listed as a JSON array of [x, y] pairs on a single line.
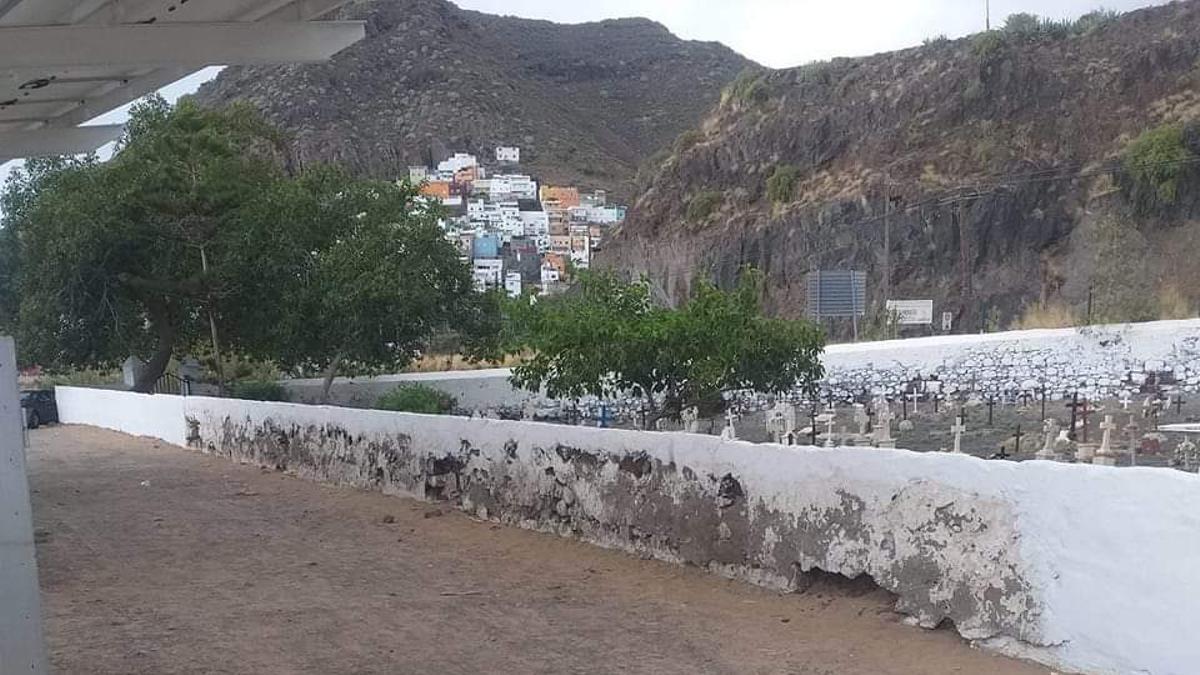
[[39, 407]]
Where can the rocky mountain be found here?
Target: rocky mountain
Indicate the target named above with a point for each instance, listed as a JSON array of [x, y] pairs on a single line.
[[587, 103], [1044, 172]]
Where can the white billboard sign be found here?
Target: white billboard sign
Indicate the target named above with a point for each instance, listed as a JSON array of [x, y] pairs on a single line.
[[911, 312]]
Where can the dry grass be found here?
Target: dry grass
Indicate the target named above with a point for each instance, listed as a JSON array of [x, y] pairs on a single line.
[[1048, 315], [436, 363]]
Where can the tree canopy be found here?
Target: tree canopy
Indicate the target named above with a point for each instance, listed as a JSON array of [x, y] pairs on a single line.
[[200, 222], [607, 338]]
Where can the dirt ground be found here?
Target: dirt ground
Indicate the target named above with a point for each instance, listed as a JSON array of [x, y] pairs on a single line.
[[157, 560]]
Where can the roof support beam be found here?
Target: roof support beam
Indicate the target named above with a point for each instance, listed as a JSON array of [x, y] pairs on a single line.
[[45, 142], [184, 45]]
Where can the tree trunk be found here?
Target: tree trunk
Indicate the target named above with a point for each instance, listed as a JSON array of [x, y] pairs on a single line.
[[160, 319], [330, 373]]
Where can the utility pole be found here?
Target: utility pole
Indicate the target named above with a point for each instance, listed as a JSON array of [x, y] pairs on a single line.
[[987, 10], [887, 248]]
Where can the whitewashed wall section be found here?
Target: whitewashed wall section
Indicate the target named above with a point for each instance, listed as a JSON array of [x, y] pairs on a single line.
[[1094, 360], [1084, 568]]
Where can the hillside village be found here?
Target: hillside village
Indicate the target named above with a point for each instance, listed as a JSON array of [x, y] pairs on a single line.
[[516, 234]]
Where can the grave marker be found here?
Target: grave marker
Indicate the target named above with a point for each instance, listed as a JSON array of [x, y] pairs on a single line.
[[958, 430]]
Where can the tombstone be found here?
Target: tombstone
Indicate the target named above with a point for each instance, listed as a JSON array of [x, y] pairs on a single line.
[[1049, 436], [1063, 445], [781, 424], [529, 412], [660, 424], [915, 397], [1186, 456], [130, 369], [691, 419], [729, 433], [957, 429], [1106, 455], [883, 425], [861, 418], [829, 418], [1131, 440]]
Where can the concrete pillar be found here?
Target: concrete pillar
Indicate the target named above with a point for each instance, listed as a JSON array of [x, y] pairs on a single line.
[[22, 649]]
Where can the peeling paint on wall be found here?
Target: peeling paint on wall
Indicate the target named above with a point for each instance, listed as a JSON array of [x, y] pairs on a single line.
[[1084, 568]]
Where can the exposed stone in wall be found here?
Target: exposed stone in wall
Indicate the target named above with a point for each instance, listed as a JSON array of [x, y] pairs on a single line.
[[945, 553]]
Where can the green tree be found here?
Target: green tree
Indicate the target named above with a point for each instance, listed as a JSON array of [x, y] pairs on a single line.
[[134, 255], [371, 278], [1157, 164], [607, 338]]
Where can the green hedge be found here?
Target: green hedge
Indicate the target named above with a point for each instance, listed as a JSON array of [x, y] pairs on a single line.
[[417, 398]]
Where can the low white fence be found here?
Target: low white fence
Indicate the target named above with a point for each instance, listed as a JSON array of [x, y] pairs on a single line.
[[1082, 567]]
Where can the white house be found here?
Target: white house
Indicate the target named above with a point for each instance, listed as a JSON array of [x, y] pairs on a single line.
[[549, 274], [512, 186], [418, 174], [488, 273], [507, 154], [512, 284], [458, 162]]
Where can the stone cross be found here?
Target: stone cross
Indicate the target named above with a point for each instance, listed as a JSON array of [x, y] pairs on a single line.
[[1105, 455], [1131, 433], [958, 430], [861, 418], [883, 425], [915, 397], [729, 433], [1125, 401], [829, 417], [1050, 434], [691, 419]]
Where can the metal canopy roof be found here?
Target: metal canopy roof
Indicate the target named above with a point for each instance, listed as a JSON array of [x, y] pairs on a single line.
[[63, 62]]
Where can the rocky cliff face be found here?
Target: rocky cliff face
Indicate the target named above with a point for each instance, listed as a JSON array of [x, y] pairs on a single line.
[[587, 103], [1001, 155]]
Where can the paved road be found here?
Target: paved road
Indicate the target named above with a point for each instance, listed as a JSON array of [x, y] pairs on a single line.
[[157, 560]]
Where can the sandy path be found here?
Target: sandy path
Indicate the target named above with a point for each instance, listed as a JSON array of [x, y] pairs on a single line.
[[219, 568]]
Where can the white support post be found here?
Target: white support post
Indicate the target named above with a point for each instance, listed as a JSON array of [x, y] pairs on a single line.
[[22, 649]]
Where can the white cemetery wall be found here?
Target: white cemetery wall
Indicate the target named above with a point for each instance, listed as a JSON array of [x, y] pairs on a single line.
[[21, 646], [1013, 554], [1096, 360], [153, 415]]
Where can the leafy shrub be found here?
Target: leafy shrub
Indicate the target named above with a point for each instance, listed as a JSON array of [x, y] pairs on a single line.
[[781, 186], [417, 398], [703, 205], [749, 88], [1093, 21], [986, 46], [252, 390], [1156, 163]]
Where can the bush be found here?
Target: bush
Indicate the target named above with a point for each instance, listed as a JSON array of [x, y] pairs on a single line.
[[986, 46], [417, 398], [749, 88], [258, 391], [1093, 21], [935, 40], [1156, 163], [704, 205], [781, 186]]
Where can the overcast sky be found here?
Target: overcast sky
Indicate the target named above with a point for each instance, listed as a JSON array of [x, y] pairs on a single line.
[[783, 33], [776, 33]]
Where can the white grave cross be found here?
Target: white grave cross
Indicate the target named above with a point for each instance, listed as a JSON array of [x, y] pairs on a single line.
[[958, 430]]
